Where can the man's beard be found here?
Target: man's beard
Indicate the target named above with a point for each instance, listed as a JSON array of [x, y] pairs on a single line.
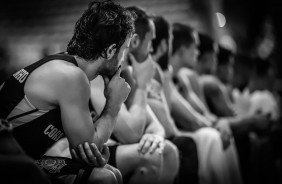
[[111, 68]]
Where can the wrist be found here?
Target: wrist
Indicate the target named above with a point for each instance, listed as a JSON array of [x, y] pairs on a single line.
[[141, 85], [111, 108]]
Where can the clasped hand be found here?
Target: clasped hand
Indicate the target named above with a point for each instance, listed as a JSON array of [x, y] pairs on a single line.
[[90, 155]]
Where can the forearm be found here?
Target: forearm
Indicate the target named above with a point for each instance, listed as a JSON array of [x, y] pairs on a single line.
[[136, 119], [164, 117], [138, 107], [196, 103], [154, 126], [104, 125], [168, 87], [133, 126], [184, 114]]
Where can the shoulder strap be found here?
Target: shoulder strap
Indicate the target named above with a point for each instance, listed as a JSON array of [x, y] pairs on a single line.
[[60, 56], [23, 114]]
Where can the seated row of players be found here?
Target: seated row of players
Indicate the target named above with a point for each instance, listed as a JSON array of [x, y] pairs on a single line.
[[137, 100]]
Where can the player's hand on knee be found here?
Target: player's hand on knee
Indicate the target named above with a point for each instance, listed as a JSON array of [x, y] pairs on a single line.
[[150, 143], [90, 154]]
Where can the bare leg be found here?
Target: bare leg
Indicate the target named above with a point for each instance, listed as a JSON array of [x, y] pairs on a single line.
[[148, 168], [102, 176], [116, 172]]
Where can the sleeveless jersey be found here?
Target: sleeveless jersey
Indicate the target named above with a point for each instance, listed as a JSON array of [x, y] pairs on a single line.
[[38, 130]]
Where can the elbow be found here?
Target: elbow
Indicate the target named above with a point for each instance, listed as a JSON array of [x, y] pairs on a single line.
[[132, 135], [99, 140]]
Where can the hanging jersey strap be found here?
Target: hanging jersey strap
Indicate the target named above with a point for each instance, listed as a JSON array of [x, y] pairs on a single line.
[[23, 114]]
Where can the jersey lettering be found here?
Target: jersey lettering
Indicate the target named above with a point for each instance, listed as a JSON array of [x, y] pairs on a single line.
[[21, 75], [53, 133]]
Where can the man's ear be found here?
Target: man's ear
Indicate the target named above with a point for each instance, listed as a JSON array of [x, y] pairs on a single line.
[[135, 41], [111, 51]]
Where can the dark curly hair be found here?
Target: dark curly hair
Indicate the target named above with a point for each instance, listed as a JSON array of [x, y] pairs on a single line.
[[102, 24]]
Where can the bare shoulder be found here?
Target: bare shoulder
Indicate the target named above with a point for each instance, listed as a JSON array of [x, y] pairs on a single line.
[[188, 72], [70, 78], [209, 82], [55, 80]]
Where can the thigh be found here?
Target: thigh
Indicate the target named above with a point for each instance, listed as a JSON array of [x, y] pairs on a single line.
[[128, 158]]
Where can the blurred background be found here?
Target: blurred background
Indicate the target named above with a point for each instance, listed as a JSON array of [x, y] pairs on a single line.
[[31, 29]]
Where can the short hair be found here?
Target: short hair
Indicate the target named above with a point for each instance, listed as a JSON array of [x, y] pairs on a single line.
[[223, 55], [141, 23], [102, 24], [206, 44], [162, 31], [182, 36]]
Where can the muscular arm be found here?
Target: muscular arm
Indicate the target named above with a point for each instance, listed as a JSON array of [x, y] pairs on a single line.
[[132, 118], [219, 102], [153, 124], [182, 112], [130, 125], [185, 115], [187, 91], [75, 114]]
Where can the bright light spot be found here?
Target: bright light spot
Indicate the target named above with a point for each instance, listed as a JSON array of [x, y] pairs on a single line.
[[221, 19]]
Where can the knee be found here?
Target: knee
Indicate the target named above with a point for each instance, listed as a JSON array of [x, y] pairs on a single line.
[[145, 174], [116, 172], [171, 155], [102, 176], [148, 170], [149, 165], [170, 151], [170, 148]]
